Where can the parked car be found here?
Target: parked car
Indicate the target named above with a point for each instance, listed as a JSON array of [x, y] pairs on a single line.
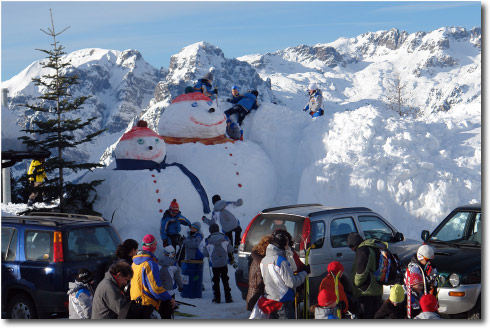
[[325, 227], [42, 252], [457, 248]]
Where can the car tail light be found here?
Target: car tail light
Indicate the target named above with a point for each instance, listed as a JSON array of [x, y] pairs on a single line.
[[305, 234], [57, 247], [244, 236]]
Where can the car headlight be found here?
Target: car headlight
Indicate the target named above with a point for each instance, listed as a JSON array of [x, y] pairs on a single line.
[[454, 279]]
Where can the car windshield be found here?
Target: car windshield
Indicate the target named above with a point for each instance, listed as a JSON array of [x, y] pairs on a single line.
[[266, 223], [460, 228], [91, 243]]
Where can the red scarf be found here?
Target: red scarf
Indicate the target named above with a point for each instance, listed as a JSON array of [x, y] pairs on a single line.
[[268, 306]]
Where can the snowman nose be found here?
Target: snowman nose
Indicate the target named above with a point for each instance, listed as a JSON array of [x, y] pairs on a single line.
[[211, 110], [150, 148]]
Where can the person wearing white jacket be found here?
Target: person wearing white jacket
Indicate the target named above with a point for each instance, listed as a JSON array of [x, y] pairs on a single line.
[[279, 279], [81, 295]]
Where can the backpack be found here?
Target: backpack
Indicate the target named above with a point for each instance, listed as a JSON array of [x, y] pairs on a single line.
[[388, 270]]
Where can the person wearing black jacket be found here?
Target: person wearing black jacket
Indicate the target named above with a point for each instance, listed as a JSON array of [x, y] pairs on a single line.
[[395, 307]]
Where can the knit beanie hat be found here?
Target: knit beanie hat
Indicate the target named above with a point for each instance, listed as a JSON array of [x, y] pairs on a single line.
[[326, 297], [213, 228], [255, 93], [174, 206], [415, 278], [196, 225], [169, 250], [215, 199], [84, 276], [397, 293], [149, 243], [208, 76], [235, 88], [428, 303], [312, 86], [354, 239], [335, 267]]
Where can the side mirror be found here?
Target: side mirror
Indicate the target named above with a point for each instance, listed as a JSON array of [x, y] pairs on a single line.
[[398, 237], [424, 235]]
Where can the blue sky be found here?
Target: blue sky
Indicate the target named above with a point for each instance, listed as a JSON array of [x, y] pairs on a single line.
[[159, 29]]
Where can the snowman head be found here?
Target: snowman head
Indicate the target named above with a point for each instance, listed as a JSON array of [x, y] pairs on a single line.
[[141, 143], [192, 115]]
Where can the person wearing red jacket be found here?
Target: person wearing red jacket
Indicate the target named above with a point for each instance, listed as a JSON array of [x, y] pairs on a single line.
[[335, 269]]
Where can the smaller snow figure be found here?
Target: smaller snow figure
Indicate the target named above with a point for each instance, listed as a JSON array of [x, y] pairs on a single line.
[[140, 148], [193, 117]]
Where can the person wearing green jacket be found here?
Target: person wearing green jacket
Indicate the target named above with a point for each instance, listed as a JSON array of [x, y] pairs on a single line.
[[365, 288]]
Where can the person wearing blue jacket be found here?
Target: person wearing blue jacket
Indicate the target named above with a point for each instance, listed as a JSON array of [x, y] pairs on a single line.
[[192, 243], [205, 87], [235, 95], [244, 106], [170, 225]]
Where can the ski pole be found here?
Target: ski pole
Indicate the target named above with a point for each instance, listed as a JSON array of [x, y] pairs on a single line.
[[183, 303]]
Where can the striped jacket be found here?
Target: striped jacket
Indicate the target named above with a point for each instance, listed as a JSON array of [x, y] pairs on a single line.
[[146, 280], [279, 279]]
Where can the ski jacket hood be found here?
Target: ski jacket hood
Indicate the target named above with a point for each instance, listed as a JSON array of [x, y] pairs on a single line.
[[80, 299], [217, 248]]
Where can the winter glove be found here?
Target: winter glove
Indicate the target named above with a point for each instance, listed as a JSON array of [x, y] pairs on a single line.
[[228, 99], [181, 290], [342, 305], [307, 269], [165, 243], [215, 91], [239, 202], [203, 217]]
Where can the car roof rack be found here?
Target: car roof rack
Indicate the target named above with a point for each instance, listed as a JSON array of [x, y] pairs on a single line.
[[340, 210], [272, 209], [52, 218], [67, 216]]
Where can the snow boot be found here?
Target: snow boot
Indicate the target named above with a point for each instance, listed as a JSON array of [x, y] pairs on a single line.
[[216, 299], [228, 299]]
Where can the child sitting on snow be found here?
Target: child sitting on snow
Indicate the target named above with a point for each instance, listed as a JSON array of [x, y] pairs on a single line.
[[171, 279]]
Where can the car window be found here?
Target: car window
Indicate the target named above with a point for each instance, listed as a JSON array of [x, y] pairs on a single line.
[[91, 242], [38, 245], [317, 233], [265, 224], [459, 227], [9, 243], [339, 230], [374, 228]]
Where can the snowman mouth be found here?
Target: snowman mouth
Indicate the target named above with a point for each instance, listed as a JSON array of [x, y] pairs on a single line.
[[195, 121], [154, 156]]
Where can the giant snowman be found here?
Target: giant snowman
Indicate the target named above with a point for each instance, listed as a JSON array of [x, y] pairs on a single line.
[[138, 188]]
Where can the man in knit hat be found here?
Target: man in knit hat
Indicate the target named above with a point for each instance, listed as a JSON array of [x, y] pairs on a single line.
[[170, 224], [395, 306], [365, 288], [146, 283], [193, 242], [220, 253]]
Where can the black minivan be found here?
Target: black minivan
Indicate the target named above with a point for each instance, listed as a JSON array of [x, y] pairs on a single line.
[[42, 253]]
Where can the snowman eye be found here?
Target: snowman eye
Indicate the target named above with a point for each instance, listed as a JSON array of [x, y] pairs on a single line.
[[210, 103], [157, 140], [140, 141], [194, 104]]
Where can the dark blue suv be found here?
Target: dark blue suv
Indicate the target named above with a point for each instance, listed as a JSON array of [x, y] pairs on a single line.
[[42, 252]]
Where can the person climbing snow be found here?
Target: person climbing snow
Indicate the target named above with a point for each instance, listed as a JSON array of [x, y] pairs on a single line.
[[170, 225], [314, 105], [235, 95], [205, 86], [229, 223], [243, 106]]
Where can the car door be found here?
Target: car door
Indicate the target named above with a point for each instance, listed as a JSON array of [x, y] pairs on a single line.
[[372, 226], [339, 228], [10, 259]]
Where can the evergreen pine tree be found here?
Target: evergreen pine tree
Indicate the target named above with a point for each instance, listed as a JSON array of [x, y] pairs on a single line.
[[54, 130]]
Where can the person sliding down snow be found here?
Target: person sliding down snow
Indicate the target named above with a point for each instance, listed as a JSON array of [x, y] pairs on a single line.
[[205, 87], [314, 105], [229, 223], [233, 130], [244, 106]]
